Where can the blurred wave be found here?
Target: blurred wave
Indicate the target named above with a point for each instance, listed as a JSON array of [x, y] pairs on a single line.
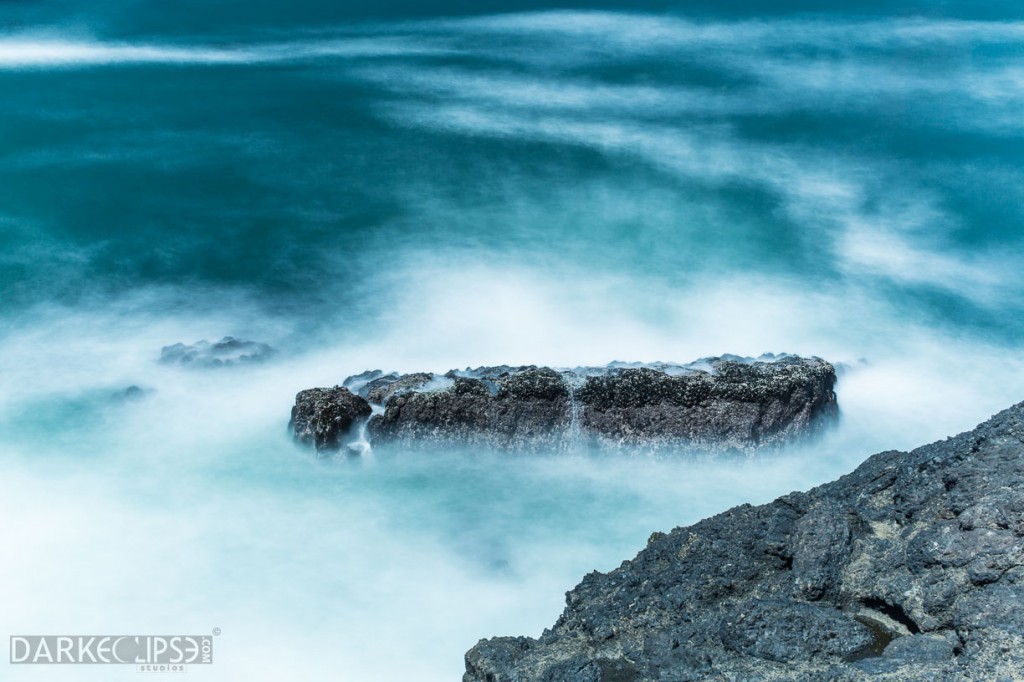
[[419, 187]]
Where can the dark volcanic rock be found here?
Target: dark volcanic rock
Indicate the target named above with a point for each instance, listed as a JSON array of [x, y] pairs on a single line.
[[710, 405], [783, 631], [322, 417], [740, 406], [915, 556], [528, 409], [381, 390], [227, 351], [358, 382]]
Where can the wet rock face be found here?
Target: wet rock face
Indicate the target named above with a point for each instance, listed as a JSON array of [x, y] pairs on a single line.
[[741, 406], [909, 568], [525, 410], [323, 417], [380, 390], [711, 405]]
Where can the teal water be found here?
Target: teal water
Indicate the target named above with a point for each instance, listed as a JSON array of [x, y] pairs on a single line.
[[424, 186]]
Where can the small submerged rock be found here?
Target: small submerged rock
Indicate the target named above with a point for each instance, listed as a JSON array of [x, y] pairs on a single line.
[[712, 405], [132, 393], [227, 351]]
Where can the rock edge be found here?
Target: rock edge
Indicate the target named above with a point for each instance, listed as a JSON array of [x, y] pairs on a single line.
[[713, 405], [909, 568]]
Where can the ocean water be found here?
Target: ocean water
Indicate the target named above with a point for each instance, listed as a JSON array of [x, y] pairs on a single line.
[[421, 186]]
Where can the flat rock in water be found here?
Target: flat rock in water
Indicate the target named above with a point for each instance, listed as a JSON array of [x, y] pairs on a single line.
[[909, 568], [712, 405]]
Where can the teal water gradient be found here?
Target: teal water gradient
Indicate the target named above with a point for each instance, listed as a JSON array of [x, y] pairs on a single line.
[[319, 153], [420, 186]]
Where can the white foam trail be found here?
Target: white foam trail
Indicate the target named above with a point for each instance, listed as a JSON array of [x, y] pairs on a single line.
[[880, 252], [822, 190], [22, 52], [645, 32], [854, 64], [15, 53], [886, 226]]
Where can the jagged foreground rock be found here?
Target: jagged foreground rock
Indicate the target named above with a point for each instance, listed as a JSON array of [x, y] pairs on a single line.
[[925, 549], [712, 405]]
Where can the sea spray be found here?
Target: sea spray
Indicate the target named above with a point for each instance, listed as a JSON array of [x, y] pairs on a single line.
[[574, 434], [427, 191]]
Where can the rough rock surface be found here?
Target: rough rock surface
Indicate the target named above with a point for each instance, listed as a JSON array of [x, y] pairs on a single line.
[[739, 406], [227, 351], [525, 409], [323, 417], [381, 390], [909, 568], [713, 404]]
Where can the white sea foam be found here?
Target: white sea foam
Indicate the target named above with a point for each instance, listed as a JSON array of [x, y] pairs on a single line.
[[41, 52], [640, 31], [189, 508]]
